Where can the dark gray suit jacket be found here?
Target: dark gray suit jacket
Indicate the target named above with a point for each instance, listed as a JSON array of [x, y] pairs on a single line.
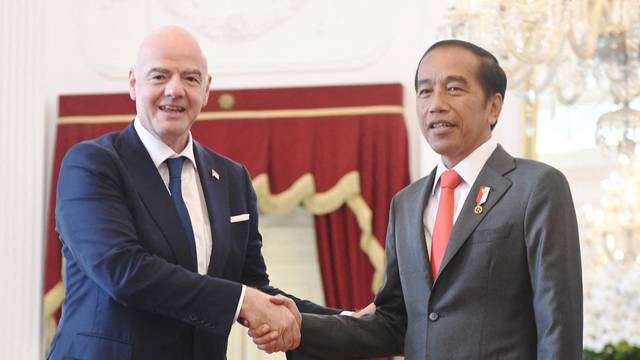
[[510, 285]]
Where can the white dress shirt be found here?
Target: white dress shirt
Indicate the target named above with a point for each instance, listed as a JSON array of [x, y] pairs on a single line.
[[191, 190], [192, 194], [468, 169]]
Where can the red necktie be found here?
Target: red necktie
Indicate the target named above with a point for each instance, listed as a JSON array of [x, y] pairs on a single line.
[[449, 180]]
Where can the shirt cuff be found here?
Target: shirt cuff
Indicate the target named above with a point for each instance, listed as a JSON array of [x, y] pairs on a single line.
[[235, 318], [347, 313]]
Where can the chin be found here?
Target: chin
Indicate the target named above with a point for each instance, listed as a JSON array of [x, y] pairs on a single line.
[[173, 129], [442, 147], [172, 124]]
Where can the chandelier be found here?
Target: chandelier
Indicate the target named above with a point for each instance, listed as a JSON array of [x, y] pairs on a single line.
[[568, 47], [611, 258], [612, 228], [618, 132]]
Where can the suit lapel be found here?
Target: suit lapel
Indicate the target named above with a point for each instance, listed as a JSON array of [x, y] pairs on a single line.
[[154, 194], [216, 194], [491, 175], [416, 228]]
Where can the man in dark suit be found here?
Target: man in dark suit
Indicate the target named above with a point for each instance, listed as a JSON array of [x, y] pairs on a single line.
[[160, 233], [501, 282]]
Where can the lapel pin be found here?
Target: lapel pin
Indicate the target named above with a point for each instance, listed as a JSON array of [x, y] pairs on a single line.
[[481, 198], [215, 174]]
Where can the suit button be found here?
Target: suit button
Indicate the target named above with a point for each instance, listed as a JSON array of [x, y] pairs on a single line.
[[433, 316]]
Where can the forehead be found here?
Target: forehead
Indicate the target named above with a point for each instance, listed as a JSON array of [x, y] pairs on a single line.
[[171, 55], [449, 61]]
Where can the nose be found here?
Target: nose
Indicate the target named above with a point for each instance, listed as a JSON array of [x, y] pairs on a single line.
[[438, 101], [174, 87]]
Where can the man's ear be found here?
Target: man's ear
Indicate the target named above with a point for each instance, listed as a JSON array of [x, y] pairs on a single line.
[[132, 84], [495, 106], [207, 89]]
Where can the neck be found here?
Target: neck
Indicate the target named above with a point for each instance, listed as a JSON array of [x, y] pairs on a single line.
[[449, 162], [454, 159], [177, 144]]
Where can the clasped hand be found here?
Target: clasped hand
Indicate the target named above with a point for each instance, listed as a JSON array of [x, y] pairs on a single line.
[[273, 321]]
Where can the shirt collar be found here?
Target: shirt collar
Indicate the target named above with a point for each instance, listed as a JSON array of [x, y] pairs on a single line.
[[158, 150], [469, 168]]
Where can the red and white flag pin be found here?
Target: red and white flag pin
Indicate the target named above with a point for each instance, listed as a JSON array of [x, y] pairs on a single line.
[[481, 198], [215, 174]]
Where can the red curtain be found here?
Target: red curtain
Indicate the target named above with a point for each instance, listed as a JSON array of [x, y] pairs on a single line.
[[284, 133], [379, 149]]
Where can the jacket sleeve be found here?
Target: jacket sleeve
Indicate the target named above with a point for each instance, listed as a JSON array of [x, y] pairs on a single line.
[[98, 230], [378, 334], [553, 253]]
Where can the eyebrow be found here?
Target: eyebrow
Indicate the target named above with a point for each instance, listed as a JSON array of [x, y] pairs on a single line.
[[448, 79], [165, 71], [157, 70], [193, 72]]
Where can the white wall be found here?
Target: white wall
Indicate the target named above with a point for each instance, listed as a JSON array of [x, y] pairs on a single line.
[[22, 180], [50, 48]]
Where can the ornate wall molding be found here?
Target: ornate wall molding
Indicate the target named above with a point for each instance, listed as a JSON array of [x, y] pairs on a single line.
[[243, 37], [238, 21]]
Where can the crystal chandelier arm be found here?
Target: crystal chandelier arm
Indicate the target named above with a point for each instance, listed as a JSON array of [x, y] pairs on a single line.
[[532, 58], [550, 71], [569, 83], [526, 81], [587, 49], [568, 99], [533, 29], [517, 74]]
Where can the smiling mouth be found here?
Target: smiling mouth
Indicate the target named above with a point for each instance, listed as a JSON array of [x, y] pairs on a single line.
[[440, 125], [172, 108]]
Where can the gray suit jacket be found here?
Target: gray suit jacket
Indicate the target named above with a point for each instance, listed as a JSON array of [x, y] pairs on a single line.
[[510, 285]]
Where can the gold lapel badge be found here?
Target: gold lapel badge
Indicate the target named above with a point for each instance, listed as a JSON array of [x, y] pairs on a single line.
[[481, 198]]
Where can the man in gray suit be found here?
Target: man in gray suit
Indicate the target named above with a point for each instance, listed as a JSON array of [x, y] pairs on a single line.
[[506, 282]]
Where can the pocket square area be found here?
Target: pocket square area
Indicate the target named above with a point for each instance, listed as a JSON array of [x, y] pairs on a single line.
[[241, 217]]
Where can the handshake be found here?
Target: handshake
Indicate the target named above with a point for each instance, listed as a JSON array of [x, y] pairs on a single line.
[[273, 321]]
